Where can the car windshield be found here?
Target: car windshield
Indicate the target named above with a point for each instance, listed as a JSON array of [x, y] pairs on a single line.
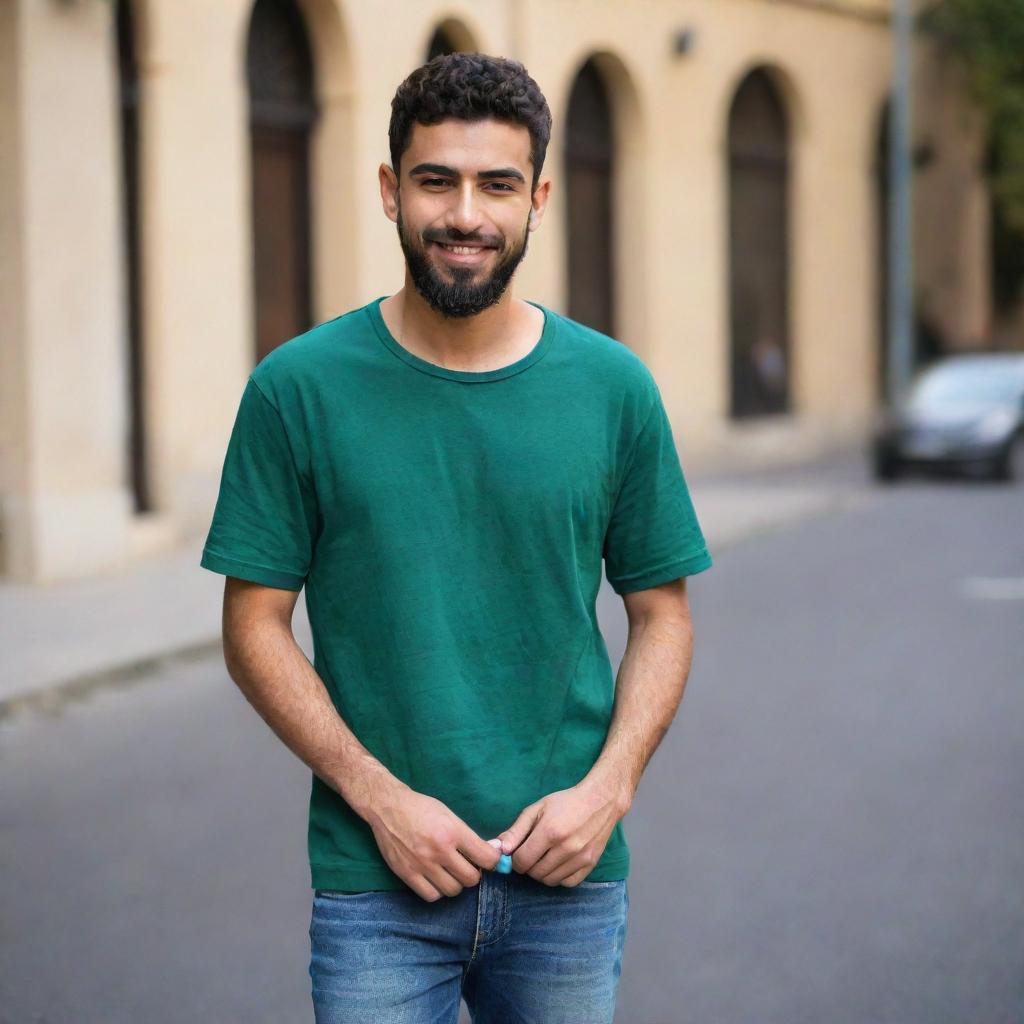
[[966, 385]]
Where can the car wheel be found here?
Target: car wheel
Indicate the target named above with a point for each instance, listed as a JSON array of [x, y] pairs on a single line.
[[885, 466], [1010, 464]]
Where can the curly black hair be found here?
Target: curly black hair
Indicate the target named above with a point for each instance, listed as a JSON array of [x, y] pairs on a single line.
[[471, 87]]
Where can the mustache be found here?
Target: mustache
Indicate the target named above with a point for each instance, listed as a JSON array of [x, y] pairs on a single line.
[[448, 239]]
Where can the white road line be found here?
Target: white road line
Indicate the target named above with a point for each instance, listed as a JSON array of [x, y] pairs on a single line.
[[994, 588]]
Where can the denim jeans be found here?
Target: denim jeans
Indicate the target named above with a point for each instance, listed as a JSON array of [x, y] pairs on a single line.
[[517, 950]]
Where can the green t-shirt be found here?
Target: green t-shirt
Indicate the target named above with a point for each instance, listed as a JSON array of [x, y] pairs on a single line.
[[449, 528]]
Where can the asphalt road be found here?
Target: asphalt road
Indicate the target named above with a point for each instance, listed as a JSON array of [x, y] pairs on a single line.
[[833, 830]]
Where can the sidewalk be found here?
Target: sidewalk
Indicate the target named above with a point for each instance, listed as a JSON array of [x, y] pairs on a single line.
[[64, 639]]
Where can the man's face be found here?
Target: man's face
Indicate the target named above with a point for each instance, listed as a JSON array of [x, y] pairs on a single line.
[[462, 211]]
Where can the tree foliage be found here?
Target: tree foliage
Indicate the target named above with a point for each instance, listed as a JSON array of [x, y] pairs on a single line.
[[988, 36]]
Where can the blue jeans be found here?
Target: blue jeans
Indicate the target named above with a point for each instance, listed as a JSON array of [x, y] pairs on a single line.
[[518, 951]]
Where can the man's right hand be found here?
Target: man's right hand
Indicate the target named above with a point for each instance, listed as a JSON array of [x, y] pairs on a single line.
[[427, 845]]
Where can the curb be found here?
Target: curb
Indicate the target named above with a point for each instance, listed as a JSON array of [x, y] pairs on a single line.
[[53, 698]]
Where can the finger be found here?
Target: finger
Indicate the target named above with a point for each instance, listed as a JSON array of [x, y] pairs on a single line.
[[445, 883], [576, 877], [464, 870], [513, 837], [423, 888], [530, 853], [551, 873], [575, 868], [478, 852], [557, 863]]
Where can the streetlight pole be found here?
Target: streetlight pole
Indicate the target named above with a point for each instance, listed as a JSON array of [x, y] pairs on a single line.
[[901, 274]]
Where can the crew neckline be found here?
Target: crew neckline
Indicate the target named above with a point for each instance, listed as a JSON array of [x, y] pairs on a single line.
[[547, 335]]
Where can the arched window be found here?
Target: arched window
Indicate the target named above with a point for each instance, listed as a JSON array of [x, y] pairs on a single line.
[[758, 249], [282, 114], [589, 167], [135, 352]]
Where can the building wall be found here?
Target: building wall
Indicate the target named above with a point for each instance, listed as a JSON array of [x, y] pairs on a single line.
[[63, 470], [13, 454], [64, 507]]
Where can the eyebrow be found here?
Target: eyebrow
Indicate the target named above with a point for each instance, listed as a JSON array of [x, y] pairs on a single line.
[[450, 172]]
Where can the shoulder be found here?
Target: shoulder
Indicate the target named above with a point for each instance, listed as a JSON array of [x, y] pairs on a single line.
[[606, 358], [302, 362]]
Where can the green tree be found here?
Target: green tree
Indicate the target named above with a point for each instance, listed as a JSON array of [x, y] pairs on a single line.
[[988, 36]]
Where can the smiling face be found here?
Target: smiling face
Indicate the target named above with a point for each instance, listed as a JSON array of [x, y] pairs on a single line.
[[463, 210]]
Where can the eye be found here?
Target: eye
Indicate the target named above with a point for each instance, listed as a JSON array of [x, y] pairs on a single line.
[[433, 181], [503, 185]]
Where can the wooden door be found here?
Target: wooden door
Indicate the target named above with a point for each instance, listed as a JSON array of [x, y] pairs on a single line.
[[589, 161], [758, 250], [282, 115]]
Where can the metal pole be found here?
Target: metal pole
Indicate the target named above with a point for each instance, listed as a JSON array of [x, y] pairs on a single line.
[[901, 297]]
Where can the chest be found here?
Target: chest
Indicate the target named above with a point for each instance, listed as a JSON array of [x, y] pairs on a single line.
[[435, 472]]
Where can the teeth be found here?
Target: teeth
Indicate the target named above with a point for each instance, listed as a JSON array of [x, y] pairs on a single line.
[[462, 250]]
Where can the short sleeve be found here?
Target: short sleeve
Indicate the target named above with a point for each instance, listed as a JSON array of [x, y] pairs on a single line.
[[653, 534], [264, 523]]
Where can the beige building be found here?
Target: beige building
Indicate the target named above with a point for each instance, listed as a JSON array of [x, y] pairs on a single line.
[[186, 183]]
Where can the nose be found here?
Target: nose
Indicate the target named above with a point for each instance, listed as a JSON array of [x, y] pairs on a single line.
[[464, 215]]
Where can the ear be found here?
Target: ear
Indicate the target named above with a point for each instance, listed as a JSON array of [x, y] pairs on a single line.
[[388, 191], [539, 202]]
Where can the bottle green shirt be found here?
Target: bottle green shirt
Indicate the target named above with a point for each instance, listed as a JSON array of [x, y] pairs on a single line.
[[449, 528]]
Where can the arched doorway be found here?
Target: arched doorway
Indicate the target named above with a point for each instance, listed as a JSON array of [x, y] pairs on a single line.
[[589, 175], [450, 36], [758, 249], [128, 79], [440, 43], [282, 113]]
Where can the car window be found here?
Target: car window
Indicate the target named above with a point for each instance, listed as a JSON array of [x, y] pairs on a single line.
[[967, 385]]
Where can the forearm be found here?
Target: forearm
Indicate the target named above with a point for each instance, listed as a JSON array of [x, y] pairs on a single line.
[[276, 677], [648, 689]]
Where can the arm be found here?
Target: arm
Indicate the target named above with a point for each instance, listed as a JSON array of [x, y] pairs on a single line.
[[648, 688], [271, 670], [423, 842], [560, 838]]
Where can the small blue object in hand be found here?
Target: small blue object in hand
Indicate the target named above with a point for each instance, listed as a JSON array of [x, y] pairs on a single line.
[[504, 866]]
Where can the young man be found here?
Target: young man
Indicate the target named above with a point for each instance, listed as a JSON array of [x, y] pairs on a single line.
[[444, 470]]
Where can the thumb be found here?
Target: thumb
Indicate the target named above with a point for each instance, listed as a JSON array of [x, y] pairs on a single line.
[[520, 828], [483, 853]]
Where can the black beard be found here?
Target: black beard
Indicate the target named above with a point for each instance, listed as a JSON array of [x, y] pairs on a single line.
[[458, 297]]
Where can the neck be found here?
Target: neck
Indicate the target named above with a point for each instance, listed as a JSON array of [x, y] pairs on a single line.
[[455, 342]]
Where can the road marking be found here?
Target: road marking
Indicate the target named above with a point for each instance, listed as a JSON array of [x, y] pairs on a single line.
[[994, 588]]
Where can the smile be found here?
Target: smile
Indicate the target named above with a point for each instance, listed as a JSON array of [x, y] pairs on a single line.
[[463, 253]]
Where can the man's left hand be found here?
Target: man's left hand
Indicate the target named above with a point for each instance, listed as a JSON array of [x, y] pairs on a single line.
[[560, 838]]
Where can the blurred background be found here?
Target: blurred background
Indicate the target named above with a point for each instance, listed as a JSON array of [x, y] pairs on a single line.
[[789, 209]]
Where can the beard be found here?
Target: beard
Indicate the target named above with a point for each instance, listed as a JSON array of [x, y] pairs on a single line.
[[459, 296]]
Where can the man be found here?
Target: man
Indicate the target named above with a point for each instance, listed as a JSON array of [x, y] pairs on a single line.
[[444, 470]]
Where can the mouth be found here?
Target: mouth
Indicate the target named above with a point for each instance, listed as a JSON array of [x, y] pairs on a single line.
[[463, 254]]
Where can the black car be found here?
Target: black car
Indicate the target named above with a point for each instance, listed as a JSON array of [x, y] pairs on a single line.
[[963, 412]]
